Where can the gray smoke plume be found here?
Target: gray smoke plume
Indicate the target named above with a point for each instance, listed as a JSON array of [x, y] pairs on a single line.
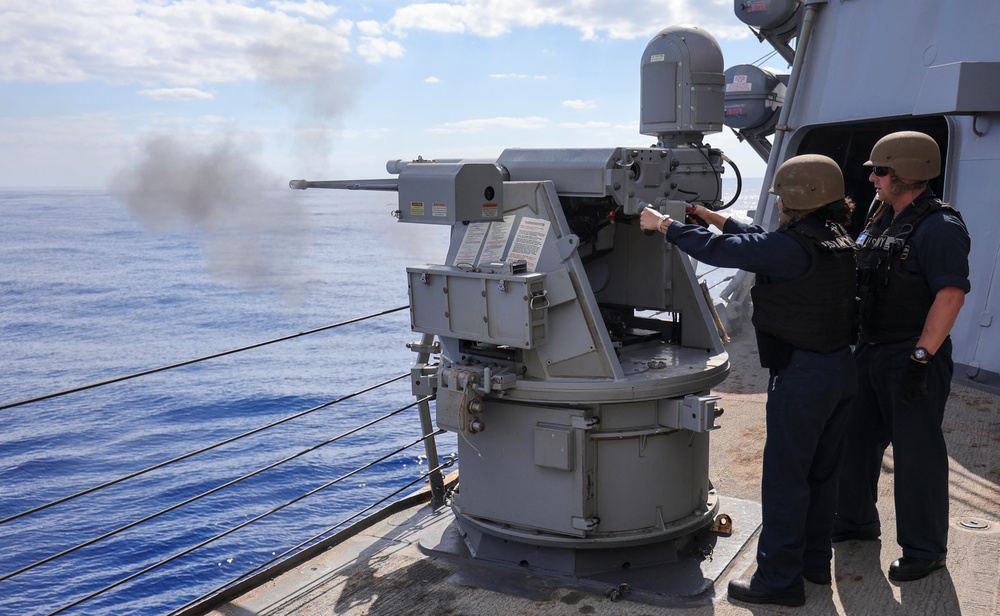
[[253, 233], [316, 91], [221, 190]]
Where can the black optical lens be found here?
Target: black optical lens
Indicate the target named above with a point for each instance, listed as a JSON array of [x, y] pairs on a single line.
[[880, 171]]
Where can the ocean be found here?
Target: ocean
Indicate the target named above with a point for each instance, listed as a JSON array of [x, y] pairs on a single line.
[[91, 290], [95, 286]]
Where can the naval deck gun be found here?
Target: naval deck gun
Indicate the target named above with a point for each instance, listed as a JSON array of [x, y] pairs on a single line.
[[577, 352]]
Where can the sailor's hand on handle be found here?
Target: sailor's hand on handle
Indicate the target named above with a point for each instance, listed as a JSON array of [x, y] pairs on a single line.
[[650, 220], [695, 215]]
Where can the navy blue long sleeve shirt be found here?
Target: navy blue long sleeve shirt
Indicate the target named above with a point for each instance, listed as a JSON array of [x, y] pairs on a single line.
[[743, 246]]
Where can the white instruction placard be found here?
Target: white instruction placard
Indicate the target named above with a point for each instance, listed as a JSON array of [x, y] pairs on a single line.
[[471, 243], [529, 241], [496, 240]]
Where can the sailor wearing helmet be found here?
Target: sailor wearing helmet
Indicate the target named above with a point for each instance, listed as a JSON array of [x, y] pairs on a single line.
[[913, 274], [804, 308]]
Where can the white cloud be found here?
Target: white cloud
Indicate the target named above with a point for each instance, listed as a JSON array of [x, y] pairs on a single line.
[[579, 104], [449, 18], [177, 94], [191, 43], [318, 61], [309, 8], [482, 124], [374, 50], [186, 43], [491, 18], [369, 28]]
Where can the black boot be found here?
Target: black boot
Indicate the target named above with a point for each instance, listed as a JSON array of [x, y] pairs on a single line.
[[907, 568], [741, 591]]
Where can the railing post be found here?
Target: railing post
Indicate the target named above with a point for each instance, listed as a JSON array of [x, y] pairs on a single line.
[[421, 387]]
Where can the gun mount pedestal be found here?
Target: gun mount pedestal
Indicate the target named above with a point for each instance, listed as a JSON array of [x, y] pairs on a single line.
[[577, 352], [581, 426]]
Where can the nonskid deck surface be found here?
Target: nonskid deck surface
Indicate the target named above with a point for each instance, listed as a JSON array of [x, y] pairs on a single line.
[[388, 568]]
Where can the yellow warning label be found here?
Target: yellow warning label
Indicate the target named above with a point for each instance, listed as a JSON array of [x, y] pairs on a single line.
[[416, 208]]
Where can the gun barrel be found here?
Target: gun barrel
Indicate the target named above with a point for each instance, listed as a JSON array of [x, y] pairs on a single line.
[[387, 185]]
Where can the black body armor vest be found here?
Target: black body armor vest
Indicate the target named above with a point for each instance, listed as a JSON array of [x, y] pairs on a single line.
[[815, 312], [893, 302]]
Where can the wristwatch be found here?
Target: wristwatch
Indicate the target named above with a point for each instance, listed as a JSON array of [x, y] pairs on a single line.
[[921, 354]]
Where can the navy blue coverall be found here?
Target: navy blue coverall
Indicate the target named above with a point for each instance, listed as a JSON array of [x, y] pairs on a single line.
[[939, 249], [806, 413]]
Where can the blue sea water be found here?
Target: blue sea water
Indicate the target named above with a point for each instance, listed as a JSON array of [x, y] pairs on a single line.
[[92, 289]]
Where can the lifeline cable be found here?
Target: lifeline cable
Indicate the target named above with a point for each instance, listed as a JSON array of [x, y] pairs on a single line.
[[237, 527], [218, 488], [119, 379], [198, 451], [247, 574]]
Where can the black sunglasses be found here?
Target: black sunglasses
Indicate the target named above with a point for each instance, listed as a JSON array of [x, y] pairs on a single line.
[[881, 171]]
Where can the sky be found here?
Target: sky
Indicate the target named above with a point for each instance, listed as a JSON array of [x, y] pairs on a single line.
[[95, 92]]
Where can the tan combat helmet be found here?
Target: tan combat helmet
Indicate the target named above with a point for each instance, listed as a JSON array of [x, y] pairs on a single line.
[[807, 182], [912, 155]]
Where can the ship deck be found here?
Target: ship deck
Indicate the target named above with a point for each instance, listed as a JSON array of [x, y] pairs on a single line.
[[387, 568]]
